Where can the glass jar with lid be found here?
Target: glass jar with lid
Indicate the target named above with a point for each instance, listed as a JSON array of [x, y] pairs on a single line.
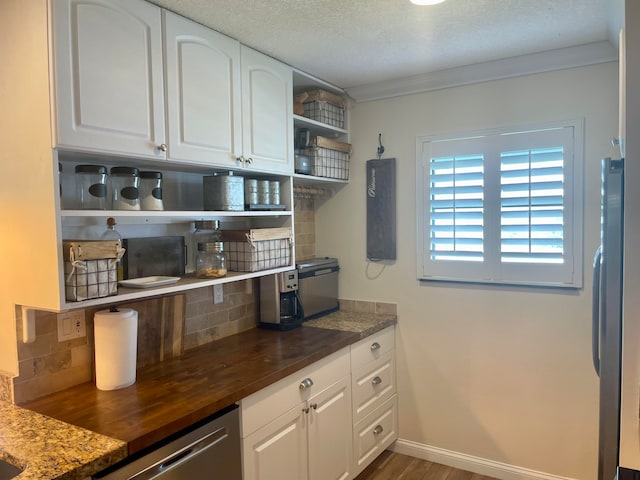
[[125, 182], [206, 231], [211, 261]]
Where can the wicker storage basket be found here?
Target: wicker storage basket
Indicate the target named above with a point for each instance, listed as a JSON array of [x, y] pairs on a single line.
[[90, 268], [329, 158], [257, 249], [322, 106]]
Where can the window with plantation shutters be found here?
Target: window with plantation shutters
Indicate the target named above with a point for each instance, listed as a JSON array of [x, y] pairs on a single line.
[[501, 206]]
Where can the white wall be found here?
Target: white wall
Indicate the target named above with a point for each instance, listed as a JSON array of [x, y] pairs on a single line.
[[501, 373]]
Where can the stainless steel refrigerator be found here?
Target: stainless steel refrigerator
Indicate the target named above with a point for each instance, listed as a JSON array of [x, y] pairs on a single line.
[[607, 315]]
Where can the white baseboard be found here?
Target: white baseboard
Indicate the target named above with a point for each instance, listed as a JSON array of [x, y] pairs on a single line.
[[470, 463]]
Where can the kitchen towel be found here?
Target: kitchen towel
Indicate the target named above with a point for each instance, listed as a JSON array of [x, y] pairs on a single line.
[[116, 337]]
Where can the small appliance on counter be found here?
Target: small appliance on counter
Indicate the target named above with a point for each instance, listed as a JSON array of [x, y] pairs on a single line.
[[280, 306], [318, 278]]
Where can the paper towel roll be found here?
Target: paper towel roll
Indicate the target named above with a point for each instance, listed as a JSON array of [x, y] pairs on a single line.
[[116, 338]]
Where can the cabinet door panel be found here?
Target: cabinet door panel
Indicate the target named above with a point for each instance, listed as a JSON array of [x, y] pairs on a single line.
[[330, 448], [278, 450], [266, 112], [203, 93], [108, 67]]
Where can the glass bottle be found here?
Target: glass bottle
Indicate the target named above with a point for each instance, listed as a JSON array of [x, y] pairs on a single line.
[[112, 234], [211, 261]]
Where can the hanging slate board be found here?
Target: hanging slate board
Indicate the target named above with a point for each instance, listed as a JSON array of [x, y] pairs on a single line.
[[381, 209]]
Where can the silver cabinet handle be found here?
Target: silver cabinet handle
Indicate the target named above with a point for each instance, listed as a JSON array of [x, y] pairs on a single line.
[[376, 381], [240, 159], [313, 406], [306, 383], [162, 147], [249, 160], [375, 346], [378, 430]]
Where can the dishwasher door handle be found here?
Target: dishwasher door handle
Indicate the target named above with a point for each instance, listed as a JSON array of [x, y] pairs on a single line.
[[182, 455]]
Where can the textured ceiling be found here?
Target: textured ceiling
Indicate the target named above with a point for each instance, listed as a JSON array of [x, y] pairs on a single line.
[[359, 42]]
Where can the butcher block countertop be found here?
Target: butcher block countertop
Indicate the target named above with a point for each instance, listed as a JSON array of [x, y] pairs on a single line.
[[175, 394]]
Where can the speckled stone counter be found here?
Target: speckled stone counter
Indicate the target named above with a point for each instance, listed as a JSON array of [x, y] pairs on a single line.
[[363, 323], [49, 449]]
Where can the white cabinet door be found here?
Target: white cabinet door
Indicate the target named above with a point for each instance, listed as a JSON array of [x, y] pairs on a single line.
[[279, 449], [202, 69], [267, 106], [108, 76], [330, 442]]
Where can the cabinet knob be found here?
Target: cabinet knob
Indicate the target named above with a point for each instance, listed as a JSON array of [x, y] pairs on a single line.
[[376, 381], [314, 406], [378, 430], [306, 383], [162, 147], [249, 160], [240, 159], [375, 346]]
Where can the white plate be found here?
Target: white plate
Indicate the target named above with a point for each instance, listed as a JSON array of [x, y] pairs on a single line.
[[147, 282]]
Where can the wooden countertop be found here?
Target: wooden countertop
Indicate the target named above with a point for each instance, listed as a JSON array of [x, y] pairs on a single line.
[[174, 394]]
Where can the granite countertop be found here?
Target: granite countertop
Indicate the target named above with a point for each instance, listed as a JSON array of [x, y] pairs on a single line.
[[50, 449], [166, 398]]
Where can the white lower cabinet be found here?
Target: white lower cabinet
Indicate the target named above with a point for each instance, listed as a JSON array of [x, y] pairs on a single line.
[[375, 405], [278, 450], [375, 433], [327, 421], [300, 427]]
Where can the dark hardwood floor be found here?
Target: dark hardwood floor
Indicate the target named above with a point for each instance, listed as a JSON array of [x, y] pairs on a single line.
[[394, 466]]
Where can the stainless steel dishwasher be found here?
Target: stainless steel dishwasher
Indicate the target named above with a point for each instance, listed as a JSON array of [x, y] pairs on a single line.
[[208, 451]]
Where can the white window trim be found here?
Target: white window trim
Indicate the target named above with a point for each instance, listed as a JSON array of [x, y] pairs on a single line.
[[481, 272]]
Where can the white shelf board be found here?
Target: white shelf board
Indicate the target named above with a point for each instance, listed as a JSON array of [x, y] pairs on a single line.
[[184, 284], [73, 217], [316, 126]]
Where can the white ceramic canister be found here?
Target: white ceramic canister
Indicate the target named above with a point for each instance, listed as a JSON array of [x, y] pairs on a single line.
[[116, 337]]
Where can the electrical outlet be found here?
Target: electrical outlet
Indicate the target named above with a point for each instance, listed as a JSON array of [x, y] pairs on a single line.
[[71, 325], [218, 293]]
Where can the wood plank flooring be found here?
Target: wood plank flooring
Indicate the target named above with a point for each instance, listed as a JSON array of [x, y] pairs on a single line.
[[394, 466]]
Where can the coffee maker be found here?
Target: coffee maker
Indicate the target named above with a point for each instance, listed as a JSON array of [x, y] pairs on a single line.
[[280, 305]]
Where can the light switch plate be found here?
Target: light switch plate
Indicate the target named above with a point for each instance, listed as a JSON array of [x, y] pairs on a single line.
[[71, 325]]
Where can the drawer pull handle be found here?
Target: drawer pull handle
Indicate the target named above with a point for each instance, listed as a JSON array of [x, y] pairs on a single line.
[[376, 381], [378, 430], [375, 346], [306, 383]]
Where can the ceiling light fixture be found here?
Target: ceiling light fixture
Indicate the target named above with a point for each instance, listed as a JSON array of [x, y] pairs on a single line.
[[426, 2]]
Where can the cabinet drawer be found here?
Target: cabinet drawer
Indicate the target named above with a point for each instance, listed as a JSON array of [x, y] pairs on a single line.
[[372, 347], [372, 385], [375, 433], [276, 399]]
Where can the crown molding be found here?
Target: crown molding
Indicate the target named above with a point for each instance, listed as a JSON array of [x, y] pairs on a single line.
[[559, 59]]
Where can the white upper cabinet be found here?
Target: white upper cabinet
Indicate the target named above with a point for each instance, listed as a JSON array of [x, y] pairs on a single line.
[[267, 103], [202, 74], [108, 77]]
